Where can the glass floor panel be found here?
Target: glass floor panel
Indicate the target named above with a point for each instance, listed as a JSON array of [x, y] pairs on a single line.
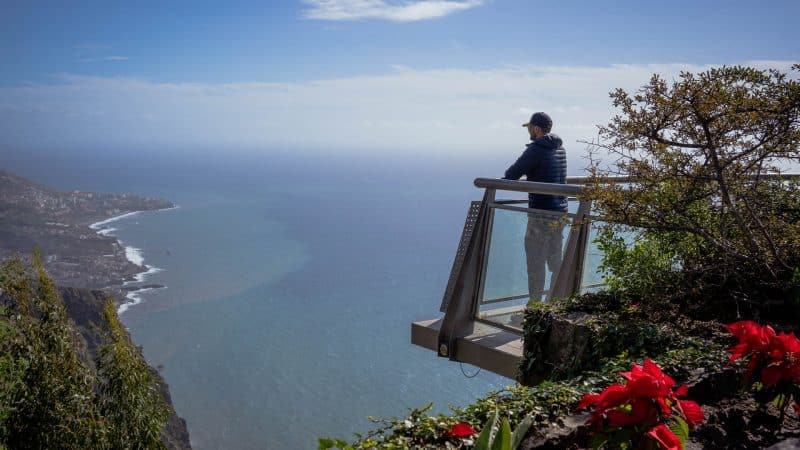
[[507, 317]]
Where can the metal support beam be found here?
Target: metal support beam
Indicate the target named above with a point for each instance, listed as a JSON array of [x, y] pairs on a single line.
[[570, 274], [460, 306]]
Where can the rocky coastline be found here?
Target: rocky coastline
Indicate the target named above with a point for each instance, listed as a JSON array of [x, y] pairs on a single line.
[[88, 265], [58, 224]]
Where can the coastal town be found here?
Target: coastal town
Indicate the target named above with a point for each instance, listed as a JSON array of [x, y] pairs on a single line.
[[58, 224]]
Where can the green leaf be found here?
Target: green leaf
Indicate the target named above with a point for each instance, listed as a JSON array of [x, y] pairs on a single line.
[[502, 440], [598, 441], [619, 438], [485, 438], [521, 431], [681, 429], [780, 401]]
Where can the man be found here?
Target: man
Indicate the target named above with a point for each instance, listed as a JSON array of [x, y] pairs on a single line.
[[544, 160]]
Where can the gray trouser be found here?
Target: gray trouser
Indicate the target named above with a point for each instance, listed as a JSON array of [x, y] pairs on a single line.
[[543, 244]]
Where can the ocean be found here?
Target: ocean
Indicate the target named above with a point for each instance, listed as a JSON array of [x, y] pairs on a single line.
[[290, 289]]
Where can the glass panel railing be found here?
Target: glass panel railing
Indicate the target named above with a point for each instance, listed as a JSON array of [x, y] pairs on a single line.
[[592, 279], [525, 250]]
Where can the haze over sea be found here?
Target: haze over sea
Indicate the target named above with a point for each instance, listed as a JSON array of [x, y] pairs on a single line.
[[291, 286]]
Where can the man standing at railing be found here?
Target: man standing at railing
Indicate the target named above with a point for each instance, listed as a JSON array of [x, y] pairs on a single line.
[[544, 160]]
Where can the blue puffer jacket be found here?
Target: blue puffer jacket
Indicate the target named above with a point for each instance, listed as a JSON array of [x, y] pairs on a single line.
[[543, 160]]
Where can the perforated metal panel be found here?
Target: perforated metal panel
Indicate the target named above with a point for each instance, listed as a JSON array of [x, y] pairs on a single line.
[[458, 262]]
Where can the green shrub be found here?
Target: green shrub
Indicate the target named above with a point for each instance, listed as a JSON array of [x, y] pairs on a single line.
[[135, 411], [52, 398], [53, 403], [642, 269]]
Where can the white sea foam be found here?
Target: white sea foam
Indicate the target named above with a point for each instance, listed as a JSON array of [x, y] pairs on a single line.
[[134, 298], [106, 231], [99, 225], [134, 255], [142, 276]]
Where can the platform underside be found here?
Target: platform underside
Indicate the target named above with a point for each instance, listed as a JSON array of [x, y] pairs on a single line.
[[487, 347]]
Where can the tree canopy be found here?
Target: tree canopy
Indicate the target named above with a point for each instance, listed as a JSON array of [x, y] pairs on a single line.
[[702, 159], [53, 394]]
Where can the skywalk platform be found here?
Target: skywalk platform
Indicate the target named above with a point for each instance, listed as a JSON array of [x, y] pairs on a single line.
[[490, 282], [500, 265]]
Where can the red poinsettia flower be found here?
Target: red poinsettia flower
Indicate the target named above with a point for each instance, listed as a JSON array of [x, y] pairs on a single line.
[[784, 354], [644, 402], [692, 412], [665, 437], [647, 394], [641, 411], [786, 348], [792, 373], [755, 341], [770, 376], [461, 430], [776, 372], [648, 380], [588, 400], [612, 397], [753, 338]]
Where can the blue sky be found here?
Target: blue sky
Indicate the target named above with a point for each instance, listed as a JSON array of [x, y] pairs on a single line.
[[376, 71]]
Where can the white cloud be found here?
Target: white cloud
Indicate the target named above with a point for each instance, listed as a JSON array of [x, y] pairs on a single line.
[[396, 11], [451, 112], [90, 47], [105, 58]]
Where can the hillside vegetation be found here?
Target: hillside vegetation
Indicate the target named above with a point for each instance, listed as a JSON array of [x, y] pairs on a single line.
[[57, 391]]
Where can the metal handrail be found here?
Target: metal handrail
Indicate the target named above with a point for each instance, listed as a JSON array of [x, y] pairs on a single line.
[[620, 179], [575, 185], [529, 186]]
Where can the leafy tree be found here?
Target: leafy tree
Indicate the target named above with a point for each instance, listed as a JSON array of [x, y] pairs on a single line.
[[702, 158], [11, 370], [53, 405], [136, 411], [13, 284], [51, 397]]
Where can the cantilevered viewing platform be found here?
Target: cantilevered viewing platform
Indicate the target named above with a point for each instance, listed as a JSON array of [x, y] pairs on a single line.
[[491, 281], [490, 284]]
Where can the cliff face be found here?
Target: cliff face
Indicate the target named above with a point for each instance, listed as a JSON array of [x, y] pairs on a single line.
[[85, 308]]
